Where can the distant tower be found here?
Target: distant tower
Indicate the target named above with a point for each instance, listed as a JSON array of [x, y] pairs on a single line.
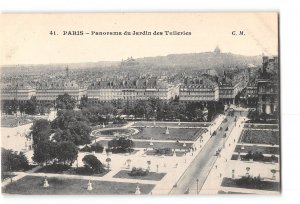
[[67, 71], [217, 50]]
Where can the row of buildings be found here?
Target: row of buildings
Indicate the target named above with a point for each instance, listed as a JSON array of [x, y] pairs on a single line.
[[192, 89], [260, 92]]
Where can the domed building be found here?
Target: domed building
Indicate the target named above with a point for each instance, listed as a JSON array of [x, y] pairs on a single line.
[[217, 50]]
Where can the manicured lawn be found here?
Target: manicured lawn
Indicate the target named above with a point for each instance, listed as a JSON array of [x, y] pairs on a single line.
[[261, 126], [33, 185], [151, 176], [63, 169], [181, 134], [260, 137], [262, 185], [141, 144], [170, 124], [264, 150], [112, 133]]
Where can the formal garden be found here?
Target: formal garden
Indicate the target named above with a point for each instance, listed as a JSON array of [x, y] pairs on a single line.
[[92, 166], [256, 148], [270, 137], [256, 156], [33, 185], [155, 145], [139, 173], [181, 134], [261, 126], [115, 132], [171, 124], [250, 182]]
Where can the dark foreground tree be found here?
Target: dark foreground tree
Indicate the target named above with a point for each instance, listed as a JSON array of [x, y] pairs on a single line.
[[67, 152], [13, 161], [65, 102], [92, 162]]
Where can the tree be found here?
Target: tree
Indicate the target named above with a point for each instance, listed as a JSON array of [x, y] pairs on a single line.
[[123, 144], [67, 152], [142, 108], [10, 107], [92, 162], [13, 161], [40, 131], [71, 126], [84, 102], [65, 102], [45, 152], [31, 106]]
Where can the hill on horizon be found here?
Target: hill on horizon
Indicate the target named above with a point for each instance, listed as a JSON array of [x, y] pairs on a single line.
[[204, 60]]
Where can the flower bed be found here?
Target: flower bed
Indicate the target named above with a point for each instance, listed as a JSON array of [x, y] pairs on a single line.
[[260, 137]]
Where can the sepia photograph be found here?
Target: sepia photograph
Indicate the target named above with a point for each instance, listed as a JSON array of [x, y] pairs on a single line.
[[140, 103]]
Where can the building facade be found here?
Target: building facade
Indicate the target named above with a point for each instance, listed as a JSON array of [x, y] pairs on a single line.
[[131, 90], [268, 86], [199, 89]]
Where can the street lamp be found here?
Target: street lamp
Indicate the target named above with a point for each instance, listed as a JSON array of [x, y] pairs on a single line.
[[197, 186]]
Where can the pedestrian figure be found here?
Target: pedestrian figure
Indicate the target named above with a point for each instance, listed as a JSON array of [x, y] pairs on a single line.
[[233, 140], [216, 166], [220, 175]]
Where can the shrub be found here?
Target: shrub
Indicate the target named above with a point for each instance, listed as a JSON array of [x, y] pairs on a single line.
[[12, 161], [55, 168], [96, 147], [85, 170], [163, 151], [138, 172], [92, 162], [256, 156], [246, 181]]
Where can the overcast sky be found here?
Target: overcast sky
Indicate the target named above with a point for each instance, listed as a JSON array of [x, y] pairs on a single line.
[[25, 38]]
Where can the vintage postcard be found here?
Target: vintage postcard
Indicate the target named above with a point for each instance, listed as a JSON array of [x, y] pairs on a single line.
[[140, 103]]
